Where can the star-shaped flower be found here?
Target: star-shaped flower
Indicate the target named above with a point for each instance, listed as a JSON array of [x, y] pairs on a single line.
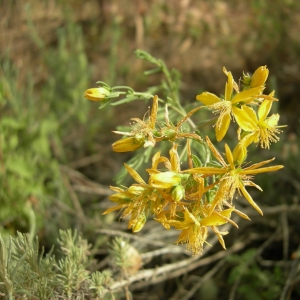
[[232, 176]]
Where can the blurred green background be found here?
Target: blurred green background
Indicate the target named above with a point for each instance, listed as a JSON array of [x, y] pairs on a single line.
[[56, 161]]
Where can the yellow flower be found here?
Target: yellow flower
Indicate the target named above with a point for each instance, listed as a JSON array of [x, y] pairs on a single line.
[[194, 227], [232, 176], [97, 94], [261, 129], [227, 107]]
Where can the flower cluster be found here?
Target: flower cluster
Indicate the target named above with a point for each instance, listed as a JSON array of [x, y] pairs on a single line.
[[200, 197]]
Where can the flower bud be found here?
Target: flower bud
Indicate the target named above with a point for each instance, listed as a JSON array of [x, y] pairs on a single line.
[[136, 189], [128, 144], [137, 224], [120, 198], [164, 180], [178, 193], [246, 80], [168, 134], [259, 77], [239, 153], [97, 94]]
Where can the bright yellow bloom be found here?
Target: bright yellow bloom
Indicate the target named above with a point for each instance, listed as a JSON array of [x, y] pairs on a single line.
[[261, 129], [232, 176], [227, 107], [97, 94]]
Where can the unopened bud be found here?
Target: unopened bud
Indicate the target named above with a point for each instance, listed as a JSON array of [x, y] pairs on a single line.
[[239, 153], [164, 180], [259, 77], [168, 133], [120, 198], [97, 94], [137, 224], [136, 189], [128, 144], [178, 193]]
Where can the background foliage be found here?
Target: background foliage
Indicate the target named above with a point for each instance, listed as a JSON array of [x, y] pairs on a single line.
[[55, 147]]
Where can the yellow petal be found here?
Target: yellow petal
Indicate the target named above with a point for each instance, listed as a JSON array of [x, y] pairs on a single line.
[[272, 121], [206, 170], [215, 152], [249, 198], [244, 120], [218, 196], [227, 212], [250, 138], [155, 160], [264, 109], [219, 235], [174, 158], [263, 170], [250, 112], [213, 220], [260, 164], [208, 98], [241, 214], [154, 112], [247, 95], [235, 86], [189, 218], [114, 208], [229, 156], [221, 129], [134, 174], [229, 87]]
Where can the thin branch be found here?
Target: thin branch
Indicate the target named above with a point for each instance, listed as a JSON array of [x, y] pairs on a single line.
[[285, 235], [141, 240], [154, 276], [289, 282]]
